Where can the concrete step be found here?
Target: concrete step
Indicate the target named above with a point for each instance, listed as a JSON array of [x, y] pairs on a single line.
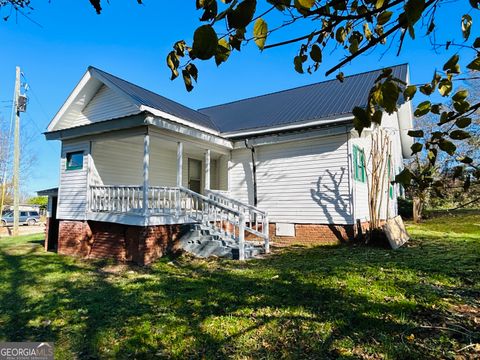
[[204, 242]]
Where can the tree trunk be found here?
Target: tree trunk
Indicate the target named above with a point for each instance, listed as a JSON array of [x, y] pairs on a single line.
[[417, 209]]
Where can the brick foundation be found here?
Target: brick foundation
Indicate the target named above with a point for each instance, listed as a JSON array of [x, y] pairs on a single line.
[[315, 234], [138, 244]]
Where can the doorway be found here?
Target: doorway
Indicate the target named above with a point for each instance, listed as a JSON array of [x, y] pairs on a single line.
[[195, 175], [52, 236]]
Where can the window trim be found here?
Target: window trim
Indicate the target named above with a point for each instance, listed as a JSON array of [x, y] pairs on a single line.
[[69, 154]]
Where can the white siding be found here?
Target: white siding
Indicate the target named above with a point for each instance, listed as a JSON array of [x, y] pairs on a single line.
[[72, 197], [120, 162], [240, 176], [297, 182], [106, 104]]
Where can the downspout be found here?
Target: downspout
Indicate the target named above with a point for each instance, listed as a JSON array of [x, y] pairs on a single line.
[[254, 171]]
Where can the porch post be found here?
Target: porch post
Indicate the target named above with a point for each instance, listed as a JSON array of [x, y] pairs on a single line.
[[207, 169], [179, 163], [146, 167]]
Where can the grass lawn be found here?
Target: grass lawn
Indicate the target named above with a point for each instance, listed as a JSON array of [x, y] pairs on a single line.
[[422, 301]]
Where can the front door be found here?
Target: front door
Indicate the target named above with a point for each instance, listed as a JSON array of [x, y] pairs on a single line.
[[194, 175]]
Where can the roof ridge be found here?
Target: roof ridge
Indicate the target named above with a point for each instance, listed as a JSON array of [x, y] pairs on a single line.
[[298, 87]]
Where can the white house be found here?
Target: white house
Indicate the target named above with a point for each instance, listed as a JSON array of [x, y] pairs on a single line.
[[137, 168]]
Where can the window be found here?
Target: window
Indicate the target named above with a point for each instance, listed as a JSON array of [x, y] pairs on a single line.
[[75, 160], [359, 171]]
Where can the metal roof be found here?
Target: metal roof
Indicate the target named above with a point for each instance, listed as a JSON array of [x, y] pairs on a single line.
[[47, 192], [323, 100], [148, 98]]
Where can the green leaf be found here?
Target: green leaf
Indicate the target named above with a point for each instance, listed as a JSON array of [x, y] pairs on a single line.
[[366, 31], [475, 64], [341, 34], [377, 117], [435, 109], [459, 135], [173, 62], [466, 26], [304, 4], [460, 95], [390, 94], [384, 17], [447, 146], [223, 51], [379, 4], [180, 47], [404, 177], [415, 133], [426, 89], [476, 43], [445, 86], [417, 147], [409, 92], [242, 15], [466, 160], [316, 53], [298, 63], [422, 109], [205, 42], [260, 31], [463, 122], [361, 119], [192, 70], [280, 4], [187, 80], [452, 65], [461, 106]]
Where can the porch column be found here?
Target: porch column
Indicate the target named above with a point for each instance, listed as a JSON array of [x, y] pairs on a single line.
[[179, 164], [207, 170], [146, 167]]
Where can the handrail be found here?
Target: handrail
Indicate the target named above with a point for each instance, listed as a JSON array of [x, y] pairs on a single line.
[[212, 211], [221, 194], [257, 221]]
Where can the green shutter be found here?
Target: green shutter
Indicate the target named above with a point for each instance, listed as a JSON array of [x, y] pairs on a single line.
[[390, 188]]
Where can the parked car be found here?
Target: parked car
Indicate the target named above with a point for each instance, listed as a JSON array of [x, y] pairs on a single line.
[[29, 218]]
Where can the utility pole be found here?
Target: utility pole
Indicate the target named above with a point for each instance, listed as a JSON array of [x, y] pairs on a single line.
[[16, 155]]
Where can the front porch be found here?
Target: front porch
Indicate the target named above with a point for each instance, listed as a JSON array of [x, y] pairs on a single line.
[[155, 179]]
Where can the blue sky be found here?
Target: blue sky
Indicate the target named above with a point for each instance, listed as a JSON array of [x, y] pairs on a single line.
[[131, 41]]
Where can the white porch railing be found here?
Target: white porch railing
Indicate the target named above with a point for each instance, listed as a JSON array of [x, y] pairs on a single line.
[[256, 220], [222, 214]]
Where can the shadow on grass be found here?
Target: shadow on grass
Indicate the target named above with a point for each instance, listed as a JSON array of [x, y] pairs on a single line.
[[324, 302]]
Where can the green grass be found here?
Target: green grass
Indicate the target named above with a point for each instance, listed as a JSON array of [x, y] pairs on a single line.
[[421, 301]]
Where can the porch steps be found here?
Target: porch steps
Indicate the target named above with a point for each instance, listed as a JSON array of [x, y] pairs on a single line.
[[204, 242]]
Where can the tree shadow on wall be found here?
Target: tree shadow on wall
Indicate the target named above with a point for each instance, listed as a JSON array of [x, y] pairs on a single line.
[[328, 195]]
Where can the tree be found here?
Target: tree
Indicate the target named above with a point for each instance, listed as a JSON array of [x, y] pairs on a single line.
[[41, 201]]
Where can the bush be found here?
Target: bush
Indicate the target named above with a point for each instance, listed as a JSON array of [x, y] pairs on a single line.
[[405, 208]]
